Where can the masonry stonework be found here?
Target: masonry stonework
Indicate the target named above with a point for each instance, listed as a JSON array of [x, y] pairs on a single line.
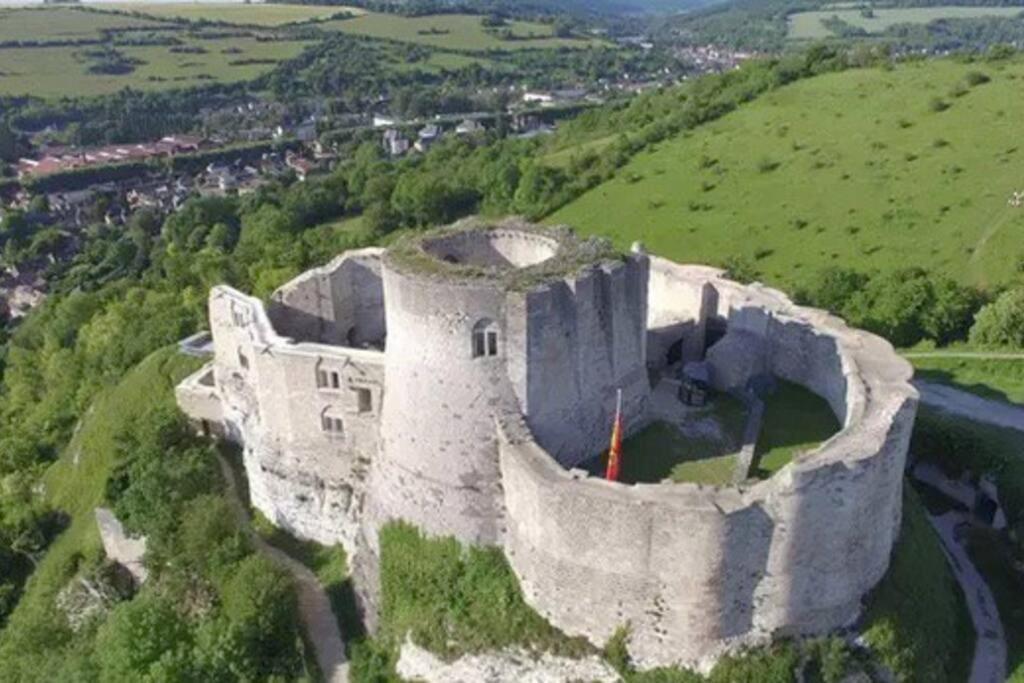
[[456, 381]]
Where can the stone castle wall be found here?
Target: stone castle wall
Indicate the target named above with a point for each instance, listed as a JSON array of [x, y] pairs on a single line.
[[697, 570], [303, 478], [481, 447], [341, 303], [577, 341], [563, 349]]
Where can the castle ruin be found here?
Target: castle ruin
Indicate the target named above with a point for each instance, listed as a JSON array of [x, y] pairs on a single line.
[[460, 379]]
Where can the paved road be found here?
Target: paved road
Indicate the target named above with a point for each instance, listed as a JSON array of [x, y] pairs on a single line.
[[989, 665], [959, 402], [314, 606]]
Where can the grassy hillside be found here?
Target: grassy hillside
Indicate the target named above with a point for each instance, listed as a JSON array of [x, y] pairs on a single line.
[[76, 484], [59, 71], [872, 169], [808, 26], [454, 32], [62, 23], [268, 14]]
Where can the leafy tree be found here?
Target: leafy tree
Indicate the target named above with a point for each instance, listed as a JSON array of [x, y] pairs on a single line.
[[8, 143], [1001, 323], [144, 639]]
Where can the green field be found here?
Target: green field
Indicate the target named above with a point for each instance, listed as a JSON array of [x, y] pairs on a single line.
[[808, 26], [62, 23], [453, 32], [1001, 379], [60, 71], [237, 13], [851, 169]]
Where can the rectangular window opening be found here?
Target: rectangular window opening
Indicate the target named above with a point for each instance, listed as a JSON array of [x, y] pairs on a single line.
[[335, 380], [365, 400], [492, 343]]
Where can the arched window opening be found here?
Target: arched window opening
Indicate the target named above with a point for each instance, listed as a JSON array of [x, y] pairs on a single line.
[[485, 338]]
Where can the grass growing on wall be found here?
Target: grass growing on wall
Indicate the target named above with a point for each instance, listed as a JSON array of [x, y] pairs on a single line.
[[917, 620], [453, 599]]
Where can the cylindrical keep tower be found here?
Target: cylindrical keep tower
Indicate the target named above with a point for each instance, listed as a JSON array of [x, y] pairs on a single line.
[[479, 316]]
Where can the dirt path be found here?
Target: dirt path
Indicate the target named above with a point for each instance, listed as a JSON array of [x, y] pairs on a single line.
[[318, 618], [989, 665], [959, 402]]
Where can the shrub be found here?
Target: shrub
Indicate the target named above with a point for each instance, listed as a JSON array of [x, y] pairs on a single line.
[[1001, 323], [974, 78], [452, 599], [937, 104]]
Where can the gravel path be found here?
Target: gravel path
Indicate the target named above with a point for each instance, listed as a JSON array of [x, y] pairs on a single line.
[[318, 618], [959, 402], [989, 665]]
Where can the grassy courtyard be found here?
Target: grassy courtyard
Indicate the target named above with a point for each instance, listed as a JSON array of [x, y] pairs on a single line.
[[795, 420], [704, 451], [870, 169]]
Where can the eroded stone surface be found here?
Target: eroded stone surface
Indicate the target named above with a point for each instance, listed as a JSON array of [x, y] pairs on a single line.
[[506, 666]]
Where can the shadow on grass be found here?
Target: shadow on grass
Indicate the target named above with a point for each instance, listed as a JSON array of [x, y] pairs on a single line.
[[795, 420], [976, 388]]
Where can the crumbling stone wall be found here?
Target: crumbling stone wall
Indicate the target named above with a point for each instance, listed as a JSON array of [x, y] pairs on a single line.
[[480, 446], [305, 478], [564, 346], [341, 304], [698, 570]]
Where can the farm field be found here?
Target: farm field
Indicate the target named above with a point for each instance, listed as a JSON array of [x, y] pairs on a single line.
[[236, 13], [441, 61], [808, 26], [63, 23], [60, 71], [453, 32], [853, 169]]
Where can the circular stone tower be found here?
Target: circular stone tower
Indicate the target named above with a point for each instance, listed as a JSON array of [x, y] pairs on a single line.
[[480, 316]]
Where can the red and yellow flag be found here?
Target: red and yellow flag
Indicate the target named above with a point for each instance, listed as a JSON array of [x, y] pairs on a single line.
[[615, 450]]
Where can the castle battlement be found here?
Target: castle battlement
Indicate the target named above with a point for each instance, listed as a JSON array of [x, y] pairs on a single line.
[[459, 380]]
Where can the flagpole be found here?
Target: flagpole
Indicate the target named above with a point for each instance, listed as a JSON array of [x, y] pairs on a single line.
[[615, 448]]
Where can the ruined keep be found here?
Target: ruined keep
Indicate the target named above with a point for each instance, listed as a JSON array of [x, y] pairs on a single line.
[[458, 379]]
